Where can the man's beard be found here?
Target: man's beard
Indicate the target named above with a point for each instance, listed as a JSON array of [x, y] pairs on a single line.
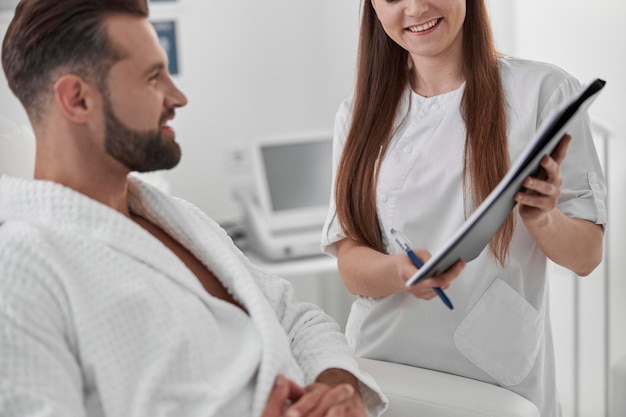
[[139, 151]]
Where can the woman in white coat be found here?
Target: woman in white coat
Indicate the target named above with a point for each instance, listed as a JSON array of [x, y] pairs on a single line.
[[435, 120]]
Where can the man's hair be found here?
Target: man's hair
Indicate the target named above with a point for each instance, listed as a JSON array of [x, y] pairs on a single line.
[[48, 38]]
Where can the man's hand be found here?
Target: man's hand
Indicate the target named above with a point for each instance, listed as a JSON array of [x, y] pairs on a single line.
[[284, 393], [334, 394]]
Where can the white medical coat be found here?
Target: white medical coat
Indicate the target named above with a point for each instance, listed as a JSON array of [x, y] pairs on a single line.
[[499, 331], [98, 317]]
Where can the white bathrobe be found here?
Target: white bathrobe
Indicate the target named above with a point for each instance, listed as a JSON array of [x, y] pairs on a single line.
[[99, 318]]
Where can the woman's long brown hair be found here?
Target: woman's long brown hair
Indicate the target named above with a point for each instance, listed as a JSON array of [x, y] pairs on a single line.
[[382, 76]]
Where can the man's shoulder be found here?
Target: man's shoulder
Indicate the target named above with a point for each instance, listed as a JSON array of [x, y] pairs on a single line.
[[18, 233], [23, 256], [19, 239]]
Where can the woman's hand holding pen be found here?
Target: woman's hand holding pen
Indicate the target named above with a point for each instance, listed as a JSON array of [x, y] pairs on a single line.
[[543, 192], [370, 273], [426, 289]]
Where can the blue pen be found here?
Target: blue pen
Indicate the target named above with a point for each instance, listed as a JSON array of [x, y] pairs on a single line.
[[406, 246]]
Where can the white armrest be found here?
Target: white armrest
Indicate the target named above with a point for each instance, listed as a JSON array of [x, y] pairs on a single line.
[[415, 392]]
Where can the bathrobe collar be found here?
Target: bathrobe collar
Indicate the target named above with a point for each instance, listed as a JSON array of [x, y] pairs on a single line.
[[53, 206]]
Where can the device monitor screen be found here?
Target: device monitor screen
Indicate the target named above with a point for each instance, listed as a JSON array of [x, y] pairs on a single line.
[[293, 179]]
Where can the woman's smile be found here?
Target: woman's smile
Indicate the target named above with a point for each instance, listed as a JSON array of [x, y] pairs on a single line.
[[424, 26]]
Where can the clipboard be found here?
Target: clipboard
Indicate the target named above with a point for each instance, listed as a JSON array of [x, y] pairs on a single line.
[[476, 232]]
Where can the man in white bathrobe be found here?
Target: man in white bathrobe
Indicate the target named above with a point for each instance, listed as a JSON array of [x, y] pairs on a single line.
[[116, 299]]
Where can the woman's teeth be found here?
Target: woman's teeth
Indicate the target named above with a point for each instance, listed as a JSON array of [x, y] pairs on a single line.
[[425, 26]]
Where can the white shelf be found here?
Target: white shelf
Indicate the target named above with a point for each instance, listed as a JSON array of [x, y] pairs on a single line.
[[315, 280], [314, 265]]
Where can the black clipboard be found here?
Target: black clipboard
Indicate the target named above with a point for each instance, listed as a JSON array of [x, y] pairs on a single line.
[[476, 232]]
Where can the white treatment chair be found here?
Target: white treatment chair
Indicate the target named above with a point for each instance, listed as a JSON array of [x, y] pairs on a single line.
[[417, 392]]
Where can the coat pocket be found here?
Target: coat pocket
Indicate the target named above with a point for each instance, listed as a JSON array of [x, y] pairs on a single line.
[[501, 334]]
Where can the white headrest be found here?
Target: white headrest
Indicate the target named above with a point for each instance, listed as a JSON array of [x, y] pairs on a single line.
[[17, 149]]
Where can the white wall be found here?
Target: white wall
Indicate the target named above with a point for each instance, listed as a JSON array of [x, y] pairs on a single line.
[[16, 151], [503, 25], [256, 69]]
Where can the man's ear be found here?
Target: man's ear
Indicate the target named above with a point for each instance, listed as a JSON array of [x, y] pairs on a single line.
[[75, 97]]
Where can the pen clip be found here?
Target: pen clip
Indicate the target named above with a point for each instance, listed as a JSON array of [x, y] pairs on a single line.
[[400, 239], [406, 245]]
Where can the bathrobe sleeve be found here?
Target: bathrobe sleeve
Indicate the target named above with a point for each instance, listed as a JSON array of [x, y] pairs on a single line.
[[38, 371], [317, 342]]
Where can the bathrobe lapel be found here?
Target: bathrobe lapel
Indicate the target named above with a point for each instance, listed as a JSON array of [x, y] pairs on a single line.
[[202, 237], [214, 248]]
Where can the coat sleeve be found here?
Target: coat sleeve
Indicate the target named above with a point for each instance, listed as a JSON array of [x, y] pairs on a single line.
[[583, 193], [38, 371], [332, 232]]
